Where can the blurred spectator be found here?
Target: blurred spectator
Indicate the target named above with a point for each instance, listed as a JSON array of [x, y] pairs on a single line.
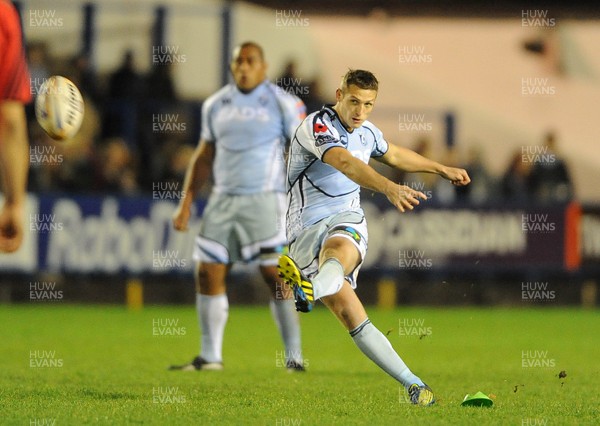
[[85, 78], [424, 182], [177, 165], [546, 44], [160, 84], [482, 185], [115, 170], [289, 80], [514, 182], [124, 83], [307, 90], [549, 179], [38, 63], [313, 99], [121, 110]]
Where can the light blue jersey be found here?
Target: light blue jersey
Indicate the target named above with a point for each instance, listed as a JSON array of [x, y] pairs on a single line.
[[249, 132], [317, 190]]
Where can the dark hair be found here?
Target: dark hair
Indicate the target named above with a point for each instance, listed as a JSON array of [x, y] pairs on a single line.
[[360, 78], [239, 47]]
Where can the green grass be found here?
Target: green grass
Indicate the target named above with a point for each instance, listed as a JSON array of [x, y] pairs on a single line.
[[111, 363]]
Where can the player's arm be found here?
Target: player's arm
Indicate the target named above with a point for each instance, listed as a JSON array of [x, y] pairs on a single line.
[[408, 160], [14, 162], [197, 173], [402, 197]]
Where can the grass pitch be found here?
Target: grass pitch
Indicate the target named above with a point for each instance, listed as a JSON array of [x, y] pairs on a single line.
[[67, 364]]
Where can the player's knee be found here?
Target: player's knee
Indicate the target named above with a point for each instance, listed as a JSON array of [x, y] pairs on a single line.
[[333, 250], [209, 280], [279, 290], [269, 274]]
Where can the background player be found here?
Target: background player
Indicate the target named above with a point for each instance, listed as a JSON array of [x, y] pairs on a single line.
[[14, 157], [244, 130], [327, 165]]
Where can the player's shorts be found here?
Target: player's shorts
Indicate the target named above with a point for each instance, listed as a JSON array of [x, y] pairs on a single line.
[[242, 228], [305, 249]]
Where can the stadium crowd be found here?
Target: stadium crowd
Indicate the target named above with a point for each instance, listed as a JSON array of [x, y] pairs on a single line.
[[138, 131]]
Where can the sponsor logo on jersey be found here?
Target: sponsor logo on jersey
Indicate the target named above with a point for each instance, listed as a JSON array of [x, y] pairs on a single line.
[[324, 139], [245, 113]]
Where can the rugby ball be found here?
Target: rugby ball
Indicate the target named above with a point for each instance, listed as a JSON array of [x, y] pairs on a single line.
[[59, 108]]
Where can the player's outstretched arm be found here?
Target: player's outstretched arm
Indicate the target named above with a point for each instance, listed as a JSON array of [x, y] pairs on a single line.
[[196, 175], [402, 197], [14, 163], [409, 161]]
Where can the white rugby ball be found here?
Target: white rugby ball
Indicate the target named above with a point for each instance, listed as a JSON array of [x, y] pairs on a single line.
[[59, 108]]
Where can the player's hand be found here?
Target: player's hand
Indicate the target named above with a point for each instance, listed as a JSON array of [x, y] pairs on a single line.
[[11, 228], [458, 177], [403, 197], [181, 218]]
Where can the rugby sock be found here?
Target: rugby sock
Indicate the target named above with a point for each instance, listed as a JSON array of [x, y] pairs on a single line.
[[378, 348], [329, 279], [212, 317], [286, 318]]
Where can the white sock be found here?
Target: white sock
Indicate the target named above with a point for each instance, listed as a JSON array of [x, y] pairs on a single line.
[[378, 348], [329, 279], [212, 317], [286, 318]]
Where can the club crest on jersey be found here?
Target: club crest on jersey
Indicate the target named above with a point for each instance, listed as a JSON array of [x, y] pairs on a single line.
[[363, 141], [263, 100]]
